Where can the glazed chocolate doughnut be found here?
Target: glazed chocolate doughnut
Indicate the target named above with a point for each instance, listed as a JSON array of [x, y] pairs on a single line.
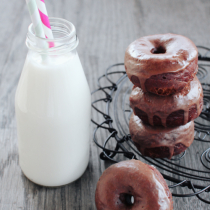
[[162, 64], [169, 111], [135, 179], [159, 142]]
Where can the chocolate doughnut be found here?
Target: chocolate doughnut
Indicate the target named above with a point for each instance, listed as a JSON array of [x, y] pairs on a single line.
[[159, 142], [169, 111], [132, 179], [162, 64]]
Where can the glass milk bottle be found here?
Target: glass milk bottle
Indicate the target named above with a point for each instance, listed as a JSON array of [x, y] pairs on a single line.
[[53, 107]]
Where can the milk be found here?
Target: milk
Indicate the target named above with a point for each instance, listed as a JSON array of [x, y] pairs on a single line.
[[53, 104]]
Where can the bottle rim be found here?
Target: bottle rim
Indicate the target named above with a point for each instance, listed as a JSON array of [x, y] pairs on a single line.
[[65, 38]]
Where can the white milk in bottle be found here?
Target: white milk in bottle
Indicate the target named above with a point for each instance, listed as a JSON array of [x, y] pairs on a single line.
[[53, 105]]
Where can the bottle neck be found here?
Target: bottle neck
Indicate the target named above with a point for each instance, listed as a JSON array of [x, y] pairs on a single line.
[[65, 38]]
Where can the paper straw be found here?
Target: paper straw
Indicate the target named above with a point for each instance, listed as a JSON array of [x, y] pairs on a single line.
[[37, 25], [45, 20], [36, 20]]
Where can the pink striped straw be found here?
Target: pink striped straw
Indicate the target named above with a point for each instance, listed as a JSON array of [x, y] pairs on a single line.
[[45, 21]]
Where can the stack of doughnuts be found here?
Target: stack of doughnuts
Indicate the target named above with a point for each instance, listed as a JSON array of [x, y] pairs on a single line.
[[166, 96]]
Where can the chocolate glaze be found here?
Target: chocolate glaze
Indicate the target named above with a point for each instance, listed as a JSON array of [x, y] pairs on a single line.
[[132, 177], [163, 107], [159, 54], [147, 136]]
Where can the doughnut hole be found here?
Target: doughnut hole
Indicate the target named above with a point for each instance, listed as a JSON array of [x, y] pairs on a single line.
[[127, 199], [179, 148], [192, 112], [158, 50], [157, 121], [175, 119], [142, 115], [135, 80]]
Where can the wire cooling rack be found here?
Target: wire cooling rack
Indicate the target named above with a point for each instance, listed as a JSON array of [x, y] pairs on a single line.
[[190, 169]]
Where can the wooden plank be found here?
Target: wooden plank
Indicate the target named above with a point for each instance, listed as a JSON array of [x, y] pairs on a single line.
[[105, 28]]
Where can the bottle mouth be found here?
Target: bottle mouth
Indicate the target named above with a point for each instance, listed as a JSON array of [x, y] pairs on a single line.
[[65, 38]]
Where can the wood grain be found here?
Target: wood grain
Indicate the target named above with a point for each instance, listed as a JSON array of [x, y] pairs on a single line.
[[105, 28]]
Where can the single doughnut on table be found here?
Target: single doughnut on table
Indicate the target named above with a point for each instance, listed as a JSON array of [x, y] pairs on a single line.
[[132, 178]]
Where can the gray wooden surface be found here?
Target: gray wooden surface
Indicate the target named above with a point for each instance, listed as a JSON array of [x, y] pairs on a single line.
[[105, 29]]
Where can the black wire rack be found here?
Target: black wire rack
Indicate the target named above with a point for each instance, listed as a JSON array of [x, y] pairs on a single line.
[[112, 105]]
